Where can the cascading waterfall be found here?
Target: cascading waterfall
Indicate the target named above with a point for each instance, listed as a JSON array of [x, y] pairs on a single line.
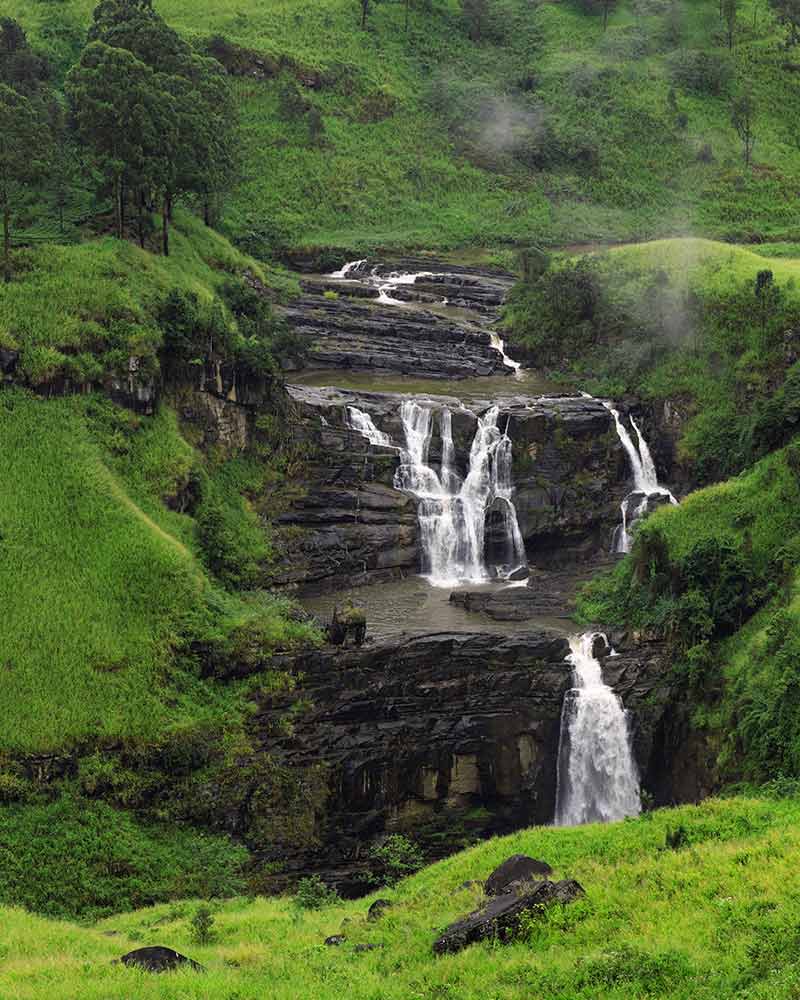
[[597, 779], [362, 422], [451, 512], [645, 481]]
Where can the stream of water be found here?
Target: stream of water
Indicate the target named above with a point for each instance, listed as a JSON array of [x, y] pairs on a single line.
[[597, 778]]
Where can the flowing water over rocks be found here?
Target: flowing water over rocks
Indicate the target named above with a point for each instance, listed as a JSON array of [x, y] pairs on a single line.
[[473, 712], [597, 777]]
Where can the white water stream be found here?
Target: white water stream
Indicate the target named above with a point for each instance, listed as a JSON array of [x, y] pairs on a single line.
[[645, 481], [453, 512], [597, 780]]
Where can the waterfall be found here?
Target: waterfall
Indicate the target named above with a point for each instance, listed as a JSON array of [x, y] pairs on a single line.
[[597, 780], [645, 481], [347, 269], [452, 513], [362, 422], [499, 345]]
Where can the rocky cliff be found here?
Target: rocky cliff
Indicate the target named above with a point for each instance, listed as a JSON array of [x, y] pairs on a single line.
[[447, 738]]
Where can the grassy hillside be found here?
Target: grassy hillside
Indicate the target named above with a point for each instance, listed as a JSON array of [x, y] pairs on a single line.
[[80, 311], [681, 321], [547, 129], [716, 919]]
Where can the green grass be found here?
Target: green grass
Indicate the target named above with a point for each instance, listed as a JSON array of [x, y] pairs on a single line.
[[82, 311], [102, 587], [431, 175], [712, 921]]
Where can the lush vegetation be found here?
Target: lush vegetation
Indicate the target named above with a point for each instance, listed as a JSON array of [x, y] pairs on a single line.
[[714, 919], [544, 124], [705, 326]]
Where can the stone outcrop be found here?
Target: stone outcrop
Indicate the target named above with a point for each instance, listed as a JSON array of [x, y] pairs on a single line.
[[444, 737], [517, 868], [501, 918], [357, 335], [156, 958]]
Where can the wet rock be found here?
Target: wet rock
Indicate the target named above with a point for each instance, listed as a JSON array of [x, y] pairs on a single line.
[[500, 919], [517, 868], [335, 940], [156, 958], [378, 908], [600, 647], [8, 360]]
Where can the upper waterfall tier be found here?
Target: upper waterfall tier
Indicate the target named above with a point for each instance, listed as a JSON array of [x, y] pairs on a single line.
[[426, 320]]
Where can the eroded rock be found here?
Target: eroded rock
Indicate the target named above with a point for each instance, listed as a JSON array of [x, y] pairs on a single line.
[[517, 868], [501, 917]]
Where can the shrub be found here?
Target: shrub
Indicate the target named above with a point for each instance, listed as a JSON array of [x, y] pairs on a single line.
[[313, 894], [202, 924], [702, 72], [396, 858]]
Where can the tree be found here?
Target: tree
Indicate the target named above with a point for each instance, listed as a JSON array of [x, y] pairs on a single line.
[[364, 13], [729, 10], [476, 14], [607, 6], [788, 14], [20, 67], [743, 116], [123, 118], [23, 152]]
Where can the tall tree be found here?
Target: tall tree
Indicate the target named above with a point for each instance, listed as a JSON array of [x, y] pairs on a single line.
[[23, 154], [120, 115], [729, 12], [476, 14], [743, 118]]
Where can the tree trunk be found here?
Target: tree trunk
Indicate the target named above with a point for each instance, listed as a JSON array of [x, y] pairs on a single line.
[[7, 242], [207, 210], [165, 228], [118, 205], [408, 6], [364, 12], [605, 15], [141, 219]]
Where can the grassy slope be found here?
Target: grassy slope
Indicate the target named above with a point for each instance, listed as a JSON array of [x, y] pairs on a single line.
[[413, 180], [102, 585], [715, 920], [83, 309]]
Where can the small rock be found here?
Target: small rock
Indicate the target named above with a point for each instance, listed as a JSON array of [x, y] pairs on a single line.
[[335, 940], [375, 912], [519, 574], [517, 868], [158, 959], [365, 947]]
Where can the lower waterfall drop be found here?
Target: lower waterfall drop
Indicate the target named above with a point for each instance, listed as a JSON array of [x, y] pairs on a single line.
[[452, 512], [597, 779], [362, 422]]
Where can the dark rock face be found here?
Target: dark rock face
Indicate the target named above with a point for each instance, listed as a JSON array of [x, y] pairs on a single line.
[[517, 868], [444, 737], [500, 918], [345, 333], [158, 959]]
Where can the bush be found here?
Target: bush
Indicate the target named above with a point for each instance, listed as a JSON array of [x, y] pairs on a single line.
[[395, 859], [313, 894], [702, 72], [203, 925]]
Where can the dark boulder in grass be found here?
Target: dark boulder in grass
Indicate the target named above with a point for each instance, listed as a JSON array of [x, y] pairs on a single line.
[[158, 959], [517, 868], [377, 909], [501, 918]]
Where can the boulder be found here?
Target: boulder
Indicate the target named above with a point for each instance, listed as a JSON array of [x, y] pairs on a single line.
[[517, 868], [600, 646], [376, 910], [335, 940], [500, 918], [156, 958]]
